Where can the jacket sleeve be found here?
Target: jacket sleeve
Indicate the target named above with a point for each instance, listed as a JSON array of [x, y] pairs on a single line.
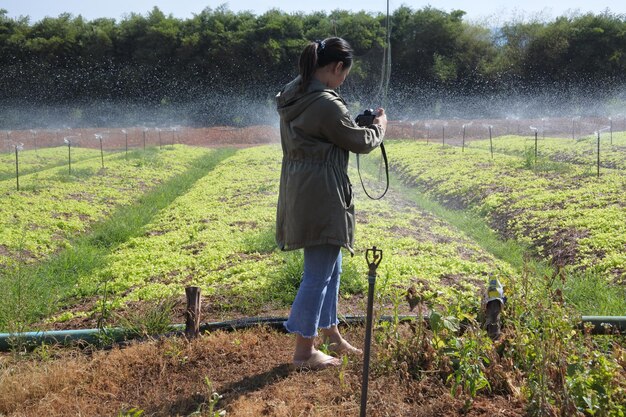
[[339, 128]]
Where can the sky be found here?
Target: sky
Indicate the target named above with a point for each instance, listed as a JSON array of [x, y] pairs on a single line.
[[478, 10]]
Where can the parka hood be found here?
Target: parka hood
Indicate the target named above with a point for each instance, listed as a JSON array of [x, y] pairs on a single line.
[[291, 102]]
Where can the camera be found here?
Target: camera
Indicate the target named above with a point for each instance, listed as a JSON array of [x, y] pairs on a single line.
[[366, 118]]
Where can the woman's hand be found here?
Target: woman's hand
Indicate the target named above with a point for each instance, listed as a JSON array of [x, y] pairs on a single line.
[[381, 119]]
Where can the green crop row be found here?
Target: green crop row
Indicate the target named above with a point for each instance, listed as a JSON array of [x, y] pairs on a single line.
[[53, 205], [582, 151], [574, 219]]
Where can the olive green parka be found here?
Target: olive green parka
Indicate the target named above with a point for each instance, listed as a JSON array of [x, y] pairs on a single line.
[[317, 133]]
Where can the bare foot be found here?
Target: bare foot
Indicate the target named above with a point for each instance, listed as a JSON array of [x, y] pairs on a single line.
[[344, 348], [318, 360]]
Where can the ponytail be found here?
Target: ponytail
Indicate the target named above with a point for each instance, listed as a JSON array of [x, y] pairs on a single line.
[[321, 53]]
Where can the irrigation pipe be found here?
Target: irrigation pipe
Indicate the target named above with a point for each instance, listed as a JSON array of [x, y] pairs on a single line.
[[597, 325], [117, 334]]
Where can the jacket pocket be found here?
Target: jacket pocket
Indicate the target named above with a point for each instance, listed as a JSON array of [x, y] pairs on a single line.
[[348, 193], [343, 187]]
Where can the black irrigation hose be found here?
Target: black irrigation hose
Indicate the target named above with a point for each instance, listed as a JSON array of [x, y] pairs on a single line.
[[597, 325], [118, 334]]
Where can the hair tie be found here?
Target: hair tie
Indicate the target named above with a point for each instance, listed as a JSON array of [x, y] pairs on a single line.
[[320, 45]]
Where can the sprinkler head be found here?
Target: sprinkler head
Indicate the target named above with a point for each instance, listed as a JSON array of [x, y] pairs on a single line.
[[19, 147]]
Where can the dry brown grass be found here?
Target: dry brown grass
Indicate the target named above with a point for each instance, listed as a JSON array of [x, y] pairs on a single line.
[[249, 368]]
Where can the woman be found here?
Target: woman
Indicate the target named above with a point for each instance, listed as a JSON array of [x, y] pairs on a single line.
[[315, 208]]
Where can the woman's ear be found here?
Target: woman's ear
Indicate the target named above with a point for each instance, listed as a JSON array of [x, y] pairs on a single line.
[[338, 67]]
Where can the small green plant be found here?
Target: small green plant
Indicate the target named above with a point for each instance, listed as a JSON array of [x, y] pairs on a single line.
[[156, 318], [133, 412], [470, 351], [209, 407], [593, 384], [342, 373]]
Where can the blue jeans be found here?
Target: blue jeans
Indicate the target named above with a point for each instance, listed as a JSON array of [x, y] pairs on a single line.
[[315, 305]]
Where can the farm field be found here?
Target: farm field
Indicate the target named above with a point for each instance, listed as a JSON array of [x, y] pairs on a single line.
[[219, 235], [215, 230]]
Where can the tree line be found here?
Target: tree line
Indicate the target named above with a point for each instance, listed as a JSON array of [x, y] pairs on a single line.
[[159, 59]]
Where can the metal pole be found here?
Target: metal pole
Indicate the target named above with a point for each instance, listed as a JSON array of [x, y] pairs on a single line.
[[490, 142], [17, 170], [463, 148], [373, 257], [443, 136], [535, 147], [101, 153], [598, 153]]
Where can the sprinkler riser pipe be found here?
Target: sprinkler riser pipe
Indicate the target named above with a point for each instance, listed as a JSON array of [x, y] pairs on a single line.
[[17, 169], [368, 341], [101, 154], [598, 162], [463, 148], [490, 142]]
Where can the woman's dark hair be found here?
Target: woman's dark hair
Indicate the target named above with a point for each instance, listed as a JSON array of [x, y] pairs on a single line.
[[321, 53]]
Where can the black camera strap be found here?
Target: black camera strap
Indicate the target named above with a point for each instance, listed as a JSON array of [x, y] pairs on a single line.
[[358, 168]]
